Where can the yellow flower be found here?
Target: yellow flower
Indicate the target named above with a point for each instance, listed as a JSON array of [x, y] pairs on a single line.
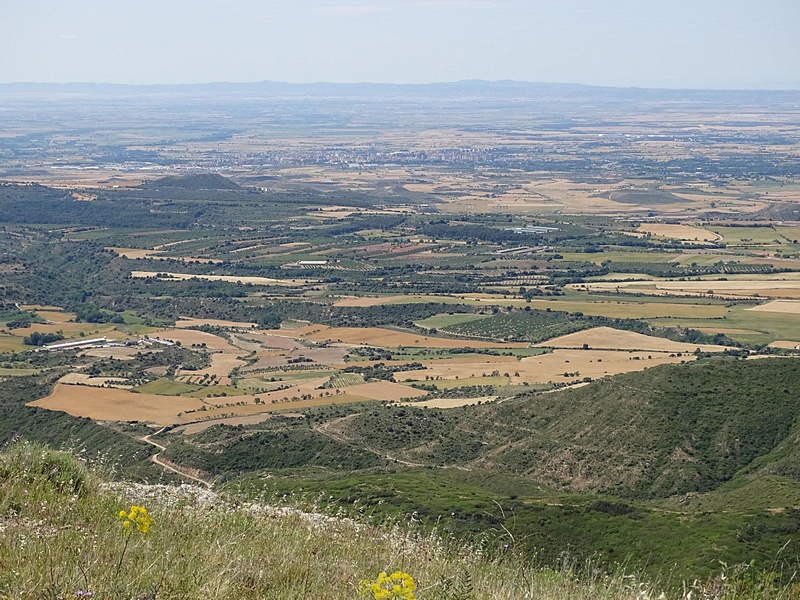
[[397, 586], [139, 516]]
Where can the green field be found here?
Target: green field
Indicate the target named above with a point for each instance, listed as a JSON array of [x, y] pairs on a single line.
[[748, 236], [12, 372], [766, 327], [345, 379], [12, 343], [625, 257], [449, 384], [167, 387], [215, 390], [444, 320]]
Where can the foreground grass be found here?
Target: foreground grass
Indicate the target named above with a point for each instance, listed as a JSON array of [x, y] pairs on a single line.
[[62, 537]]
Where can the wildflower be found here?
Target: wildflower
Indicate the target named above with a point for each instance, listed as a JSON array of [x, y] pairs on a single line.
[[397, 586], [138, 516]]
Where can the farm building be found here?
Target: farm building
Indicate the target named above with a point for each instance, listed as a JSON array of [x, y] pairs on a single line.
[[78, 344]]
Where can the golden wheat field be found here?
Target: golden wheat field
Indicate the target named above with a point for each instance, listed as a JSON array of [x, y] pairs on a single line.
[[375, 336], [221, 366], [607, 338], [779, 306], [450, 402], [543, 368], [111, 404], [190, 337], [679, 232], [84, 379]]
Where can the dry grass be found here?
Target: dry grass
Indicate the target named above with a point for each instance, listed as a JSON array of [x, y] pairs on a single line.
[[384, 390], [184, 322], [221, 366], [543, 368], [110, 404], [67, 539], [271, 340], [680, 232], [74, 330], [12, 343], [188, 337], [367, 301], [193, 428], [779, 306], [607, 338], [785, 345], [117, 352], [374, 336], [56, 316], [84, 379], [450, 402], [228, 278], [134, 253], [779, 287]]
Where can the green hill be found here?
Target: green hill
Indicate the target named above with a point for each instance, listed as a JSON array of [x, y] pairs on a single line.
[[654, 434], [677, 467], [68, 535]]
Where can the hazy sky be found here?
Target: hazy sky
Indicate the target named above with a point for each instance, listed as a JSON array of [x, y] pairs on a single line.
[[647, 43]]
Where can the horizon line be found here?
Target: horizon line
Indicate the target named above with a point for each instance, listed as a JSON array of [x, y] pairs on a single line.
[[491, 82]]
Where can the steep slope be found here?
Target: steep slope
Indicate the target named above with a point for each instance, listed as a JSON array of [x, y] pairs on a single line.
[[669, 430]]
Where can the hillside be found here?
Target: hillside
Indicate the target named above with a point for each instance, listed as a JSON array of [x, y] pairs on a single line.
[[667, 431], [659, 433], [624, 469], [137, 541]]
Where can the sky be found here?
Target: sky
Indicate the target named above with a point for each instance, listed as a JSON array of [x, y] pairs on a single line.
[[622, 43]]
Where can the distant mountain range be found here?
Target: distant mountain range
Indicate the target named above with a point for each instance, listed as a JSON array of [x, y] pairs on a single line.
[[471, 88]]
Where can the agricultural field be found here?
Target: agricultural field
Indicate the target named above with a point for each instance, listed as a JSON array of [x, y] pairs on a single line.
[[111, 404], [614, 339], [559, 366], [438, 309], [679, 232], [735, 288]]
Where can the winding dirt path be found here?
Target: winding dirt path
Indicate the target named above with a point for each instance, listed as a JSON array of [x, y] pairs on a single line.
[[169, 466], [324, 429]]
